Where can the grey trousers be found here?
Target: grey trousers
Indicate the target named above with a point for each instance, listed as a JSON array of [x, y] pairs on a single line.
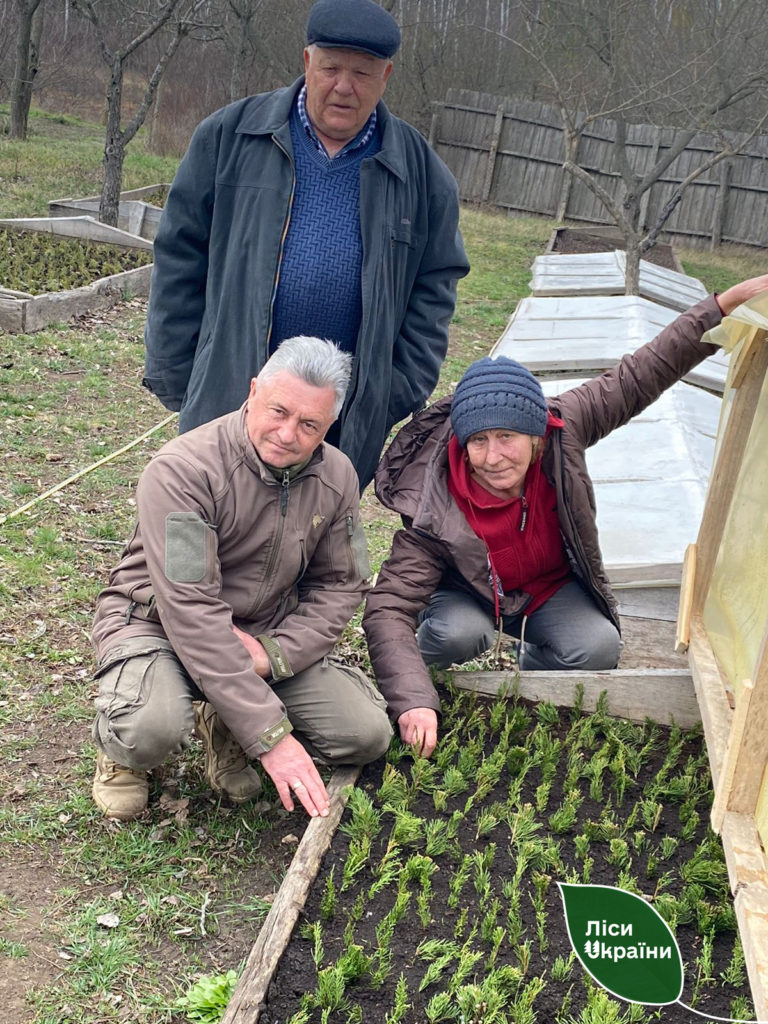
[[568, 632], [145, 707]]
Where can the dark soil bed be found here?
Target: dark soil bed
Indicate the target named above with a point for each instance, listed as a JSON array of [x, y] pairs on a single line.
[[568, 240], [438, 898], [37, 262]]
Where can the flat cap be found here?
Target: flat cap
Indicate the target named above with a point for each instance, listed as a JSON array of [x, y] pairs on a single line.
[[353, 25]]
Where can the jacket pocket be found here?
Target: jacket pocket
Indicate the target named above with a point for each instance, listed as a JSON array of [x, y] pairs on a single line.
[[401, 234], [360, 562]]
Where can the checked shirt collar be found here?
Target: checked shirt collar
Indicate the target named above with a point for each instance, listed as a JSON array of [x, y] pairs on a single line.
[[362, 138]]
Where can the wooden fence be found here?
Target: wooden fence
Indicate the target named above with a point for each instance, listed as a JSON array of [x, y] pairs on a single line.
[[509, 153]]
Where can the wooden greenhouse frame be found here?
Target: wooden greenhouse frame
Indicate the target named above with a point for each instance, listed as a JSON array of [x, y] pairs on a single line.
[[734, 711]]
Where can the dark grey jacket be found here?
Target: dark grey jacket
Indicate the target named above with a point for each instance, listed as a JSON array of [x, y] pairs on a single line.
[[217, 258], [437, 543]]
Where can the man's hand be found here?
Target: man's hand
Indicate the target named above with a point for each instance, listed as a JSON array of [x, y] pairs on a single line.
[[258, 655], [418, 728], [291, 769], [742, 292]]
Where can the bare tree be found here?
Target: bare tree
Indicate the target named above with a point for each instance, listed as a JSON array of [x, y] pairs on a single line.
[[131, 25], [690, 65], [29, 29]]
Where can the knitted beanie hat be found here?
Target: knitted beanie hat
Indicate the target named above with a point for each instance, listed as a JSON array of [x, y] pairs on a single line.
[[496, 394]]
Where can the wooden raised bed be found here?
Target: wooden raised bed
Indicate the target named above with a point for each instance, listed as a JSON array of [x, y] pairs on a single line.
[[135, 215], [22, 313], [732, 709], [597, 239]]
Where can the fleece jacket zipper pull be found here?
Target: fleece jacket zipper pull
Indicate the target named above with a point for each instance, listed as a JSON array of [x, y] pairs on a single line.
[[284, 485]]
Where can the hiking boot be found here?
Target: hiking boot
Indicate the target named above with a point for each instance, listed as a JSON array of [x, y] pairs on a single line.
[[226, 765], [118, 791]]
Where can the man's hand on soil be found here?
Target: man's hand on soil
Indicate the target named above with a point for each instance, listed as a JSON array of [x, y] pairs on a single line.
[[292, 770]]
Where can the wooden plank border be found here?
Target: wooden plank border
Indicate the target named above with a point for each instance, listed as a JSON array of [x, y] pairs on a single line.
[[247, 1001], [665, 695]]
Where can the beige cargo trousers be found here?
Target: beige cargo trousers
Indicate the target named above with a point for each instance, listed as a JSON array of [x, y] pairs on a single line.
[[145, 707]]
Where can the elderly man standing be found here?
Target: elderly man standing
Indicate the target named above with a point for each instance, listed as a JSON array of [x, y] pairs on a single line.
[[309, 210], [247, 561]]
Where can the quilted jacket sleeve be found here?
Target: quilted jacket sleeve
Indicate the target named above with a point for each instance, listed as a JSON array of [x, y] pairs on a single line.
[[404, 586], [610, 400]]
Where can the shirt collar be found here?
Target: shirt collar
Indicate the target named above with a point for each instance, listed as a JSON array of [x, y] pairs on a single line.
[[362, 138]]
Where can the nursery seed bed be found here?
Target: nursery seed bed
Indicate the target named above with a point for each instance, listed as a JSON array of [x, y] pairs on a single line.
[[438, 901], [37, 263]]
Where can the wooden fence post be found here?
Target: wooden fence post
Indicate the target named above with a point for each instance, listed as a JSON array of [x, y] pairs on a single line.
[[565, 190], [646, 199], [721, 203], [497, 124], [436, 108]]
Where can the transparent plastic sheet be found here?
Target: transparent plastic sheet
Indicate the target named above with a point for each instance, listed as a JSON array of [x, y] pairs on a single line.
[[603, 273], [585, 334], [650, 477], [736, 609]]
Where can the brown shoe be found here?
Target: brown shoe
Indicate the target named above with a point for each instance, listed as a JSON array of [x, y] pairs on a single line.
[[118, 791], [226, 765]]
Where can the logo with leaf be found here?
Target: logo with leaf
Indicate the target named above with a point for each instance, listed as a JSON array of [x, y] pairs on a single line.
[[625, 945]]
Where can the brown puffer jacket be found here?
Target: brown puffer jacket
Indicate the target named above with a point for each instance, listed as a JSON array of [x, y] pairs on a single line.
[[219, 540], [437, 544]]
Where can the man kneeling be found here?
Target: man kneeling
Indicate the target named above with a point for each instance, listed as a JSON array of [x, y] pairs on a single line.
[[246, 563]]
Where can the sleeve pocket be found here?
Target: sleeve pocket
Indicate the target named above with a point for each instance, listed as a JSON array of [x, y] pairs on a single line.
[[360, 552], [185, 547]]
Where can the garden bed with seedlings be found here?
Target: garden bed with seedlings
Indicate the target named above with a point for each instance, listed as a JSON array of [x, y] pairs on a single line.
[[46, 277], [35, 262], [438, 899]]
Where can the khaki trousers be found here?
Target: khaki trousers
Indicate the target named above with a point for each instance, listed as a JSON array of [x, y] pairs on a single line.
[[145, 707]]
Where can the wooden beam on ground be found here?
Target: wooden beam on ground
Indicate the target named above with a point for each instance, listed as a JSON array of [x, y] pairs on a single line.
[[746, 863], [247, 1000], [665, 695], [715, 708], [751, 907]]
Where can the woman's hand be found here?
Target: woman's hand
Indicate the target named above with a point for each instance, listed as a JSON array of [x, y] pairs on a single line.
[[418, 728], [742, 292]]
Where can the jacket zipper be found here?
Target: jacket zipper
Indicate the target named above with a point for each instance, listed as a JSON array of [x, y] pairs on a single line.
[[350, 533], [286, 225], [284, 494]]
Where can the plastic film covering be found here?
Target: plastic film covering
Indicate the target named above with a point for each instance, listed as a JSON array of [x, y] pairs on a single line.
[[736, 609], [588, 334], [603, 273], [650, 479]]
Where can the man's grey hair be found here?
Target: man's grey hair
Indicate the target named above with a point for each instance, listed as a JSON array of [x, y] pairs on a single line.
[[313, 49], [315, 361]]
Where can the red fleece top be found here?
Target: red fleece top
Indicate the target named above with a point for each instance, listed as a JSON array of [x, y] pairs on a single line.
[[525, 547]]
